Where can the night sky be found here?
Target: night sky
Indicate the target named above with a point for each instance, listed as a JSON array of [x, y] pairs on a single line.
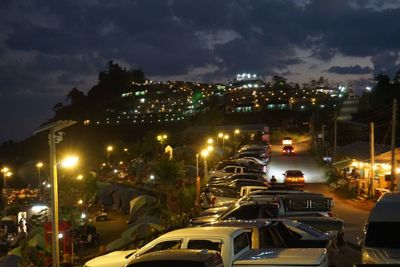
[[49, 47]]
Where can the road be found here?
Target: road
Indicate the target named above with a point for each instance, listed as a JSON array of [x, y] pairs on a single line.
[[353, 215]]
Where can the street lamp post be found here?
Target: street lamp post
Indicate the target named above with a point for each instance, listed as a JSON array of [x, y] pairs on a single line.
[[197, 181], [39, 165], [6, 173], [220, 135], [109, 150], [236, 132], [204, 153], [53, 128], [226, 137]]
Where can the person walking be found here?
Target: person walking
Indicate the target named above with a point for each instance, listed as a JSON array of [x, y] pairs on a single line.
[[273, 180]]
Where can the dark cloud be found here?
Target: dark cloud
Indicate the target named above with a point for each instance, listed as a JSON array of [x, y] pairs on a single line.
[[357, 70], [47, 47]]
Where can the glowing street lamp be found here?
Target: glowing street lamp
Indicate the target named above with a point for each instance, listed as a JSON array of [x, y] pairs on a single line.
[[236, 132], [55, 137], [204, 154], [109, 150], [6, 173], [220, 135], [39, 165], [210, 141], [226, 137], [69, 162], [162, 138]]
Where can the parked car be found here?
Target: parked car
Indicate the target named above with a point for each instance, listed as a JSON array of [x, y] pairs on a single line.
[[294, 178], [275, 233], [333, 225], [259, 161], [232, 169], [179, 258], [246, 211], [380, 243], [239, 176], [232, 242], [295, 204]]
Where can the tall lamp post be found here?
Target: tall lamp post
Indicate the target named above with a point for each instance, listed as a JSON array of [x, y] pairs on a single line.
[[204, 154], [6, 173], [226, 137], [39, 165], [220, 135], [109, 150], [236, 132], [54, 137], [197, 182]]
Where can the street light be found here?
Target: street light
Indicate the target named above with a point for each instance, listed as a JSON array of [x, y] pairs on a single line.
[[79, 177], [162, 138], [197, 181], [55, 136], [109, 150], [226, 137], [6, 173], [204, 154], [220, 135], [39, 165], [210, 141], [236, 132]]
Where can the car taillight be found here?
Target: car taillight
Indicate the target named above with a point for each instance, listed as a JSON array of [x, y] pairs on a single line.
[[213, 200]]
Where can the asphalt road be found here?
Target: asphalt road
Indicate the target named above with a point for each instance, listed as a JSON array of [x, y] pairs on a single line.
[[353, 213]]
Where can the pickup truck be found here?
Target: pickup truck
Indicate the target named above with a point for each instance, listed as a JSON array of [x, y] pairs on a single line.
[[231, 242], [293, 204]]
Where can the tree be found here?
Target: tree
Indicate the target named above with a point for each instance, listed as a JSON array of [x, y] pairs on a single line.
[[170, 173]]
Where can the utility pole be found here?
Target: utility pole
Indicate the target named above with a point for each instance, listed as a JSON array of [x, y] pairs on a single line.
[[323, 136], [312, 131], [372, 153], [393, 146], [334, 138]]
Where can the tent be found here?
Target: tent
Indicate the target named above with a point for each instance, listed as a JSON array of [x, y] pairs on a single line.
[[142, 210], [140, 232]]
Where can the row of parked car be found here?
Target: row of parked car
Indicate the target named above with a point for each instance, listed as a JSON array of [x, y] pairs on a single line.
[[247, 223]]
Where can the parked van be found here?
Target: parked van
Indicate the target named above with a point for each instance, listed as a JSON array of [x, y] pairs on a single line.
[[381, 242]]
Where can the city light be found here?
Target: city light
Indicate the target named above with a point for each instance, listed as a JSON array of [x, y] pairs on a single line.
[[79, 177]]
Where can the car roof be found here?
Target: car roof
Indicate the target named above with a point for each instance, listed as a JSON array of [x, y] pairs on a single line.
[[202, 232], [387, 208], [245, 223]]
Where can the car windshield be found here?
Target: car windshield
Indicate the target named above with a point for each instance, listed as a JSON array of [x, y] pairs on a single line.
[[383, 235], [294, 173]]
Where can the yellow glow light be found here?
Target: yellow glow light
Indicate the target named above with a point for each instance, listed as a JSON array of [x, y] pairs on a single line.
[[70, 161], [204, 153], [110, 148], [79, 177], [39, 165], [237, 131], [220, 135], [210, 141]]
